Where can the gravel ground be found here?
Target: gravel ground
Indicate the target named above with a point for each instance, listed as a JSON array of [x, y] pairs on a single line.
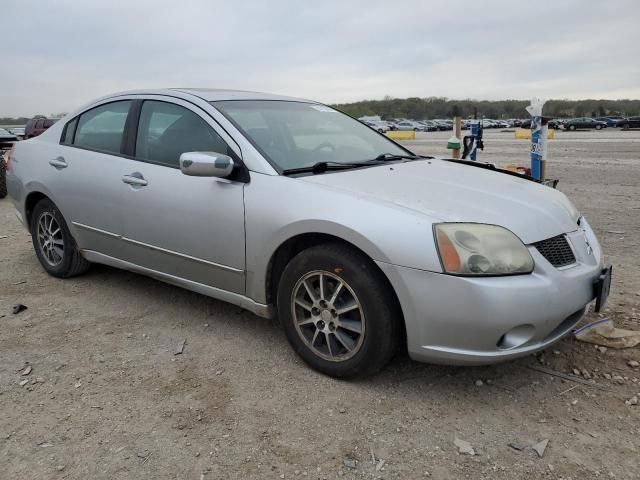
[[107, 397]]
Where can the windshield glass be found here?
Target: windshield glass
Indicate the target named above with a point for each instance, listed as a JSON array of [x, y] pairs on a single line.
[[298, 134]]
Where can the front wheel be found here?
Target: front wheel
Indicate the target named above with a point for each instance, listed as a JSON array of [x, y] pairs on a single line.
[[338, 311], [572, 127], [598, 127], [55, 248]]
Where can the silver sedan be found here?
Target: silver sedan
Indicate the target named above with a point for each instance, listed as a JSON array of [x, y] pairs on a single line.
[[287, 207]]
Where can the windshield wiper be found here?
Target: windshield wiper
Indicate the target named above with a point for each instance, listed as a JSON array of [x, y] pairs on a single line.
[[321, 167], [385, 157]]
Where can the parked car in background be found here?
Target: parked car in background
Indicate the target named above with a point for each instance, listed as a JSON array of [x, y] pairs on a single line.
[[609, 121], [381, 127], [37, 125], [502, 124], [428, 125], [17, 131], [7, 139], [441, 125], [230, 194], [407, 125], [615, 119], [630, 122], [584, 122], [448, 123], [556, 123]]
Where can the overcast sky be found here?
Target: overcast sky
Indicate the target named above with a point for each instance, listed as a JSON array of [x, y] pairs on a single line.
[[59, 54]]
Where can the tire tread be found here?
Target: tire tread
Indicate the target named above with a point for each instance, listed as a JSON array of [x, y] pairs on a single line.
[[3, 178]]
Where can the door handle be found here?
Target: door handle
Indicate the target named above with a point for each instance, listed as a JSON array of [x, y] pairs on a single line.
[[58, 162], [135, 179]]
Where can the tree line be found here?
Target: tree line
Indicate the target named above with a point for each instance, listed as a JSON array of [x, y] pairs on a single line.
[[442, 107]]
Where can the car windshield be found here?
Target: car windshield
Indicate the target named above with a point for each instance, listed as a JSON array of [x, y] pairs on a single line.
[[4, 132], [298, 134]]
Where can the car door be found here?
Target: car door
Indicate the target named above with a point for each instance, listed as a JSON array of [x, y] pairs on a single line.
[[85, 176], [187, 227]]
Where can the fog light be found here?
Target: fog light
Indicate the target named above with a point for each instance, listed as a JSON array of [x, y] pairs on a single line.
[[516, 337]]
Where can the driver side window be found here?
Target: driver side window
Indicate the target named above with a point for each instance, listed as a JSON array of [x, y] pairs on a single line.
[[166, 130]]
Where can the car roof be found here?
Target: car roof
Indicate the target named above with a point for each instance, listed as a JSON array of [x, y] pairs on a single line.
[[213, 94]]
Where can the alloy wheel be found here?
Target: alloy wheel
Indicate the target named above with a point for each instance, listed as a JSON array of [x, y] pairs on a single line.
[[50, 240], [328, 316]]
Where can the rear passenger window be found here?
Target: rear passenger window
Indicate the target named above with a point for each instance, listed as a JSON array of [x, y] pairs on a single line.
[[69, 130], [167, 130], [102, 128]]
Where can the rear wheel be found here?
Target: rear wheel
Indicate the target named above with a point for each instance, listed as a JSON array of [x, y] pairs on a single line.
[[55, 247], [625, 126], [3, 178], [338, 311]]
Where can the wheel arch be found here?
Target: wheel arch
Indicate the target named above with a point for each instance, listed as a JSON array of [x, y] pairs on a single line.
[[30, 203]]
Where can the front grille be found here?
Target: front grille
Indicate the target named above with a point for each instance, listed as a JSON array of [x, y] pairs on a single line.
[[557, 251]]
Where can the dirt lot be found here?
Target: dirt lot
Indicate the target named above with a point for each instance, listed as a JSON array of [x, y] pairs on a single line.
[[107, 397]]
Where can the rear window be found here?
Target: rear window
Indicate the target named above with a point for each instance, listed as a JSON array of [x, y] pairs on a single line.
[[102, 128], [48, 122], [69, 131]]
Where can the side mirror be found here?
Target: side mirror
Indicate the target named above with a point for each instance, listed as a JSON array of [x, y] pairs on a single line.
[[206, 164]]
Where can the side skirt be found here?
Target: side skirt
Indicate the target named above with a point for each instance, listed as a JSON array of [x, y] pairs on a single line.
[[262, 310]]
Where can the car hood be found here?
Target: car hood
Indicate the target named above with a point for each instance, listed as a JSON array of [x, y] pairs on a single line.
[[450, 192]]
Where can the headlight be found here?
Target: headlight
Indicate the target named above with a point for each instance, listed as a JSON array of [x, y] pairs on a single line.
[[477, 249]]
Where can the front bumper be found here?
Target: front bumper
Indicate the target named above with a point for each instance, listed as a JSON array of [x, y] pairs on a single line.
[[483, 320]]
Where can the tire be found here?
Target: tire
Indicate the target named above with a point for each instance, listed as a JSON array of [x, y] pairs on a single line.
[[372, 328], [3, 178], [598, 127], [55, 248], [572, 127], [625, 126]]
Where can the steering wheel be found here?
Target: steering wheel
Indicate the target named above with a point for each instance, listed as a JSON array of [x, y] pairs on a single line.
[[324, 145]]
